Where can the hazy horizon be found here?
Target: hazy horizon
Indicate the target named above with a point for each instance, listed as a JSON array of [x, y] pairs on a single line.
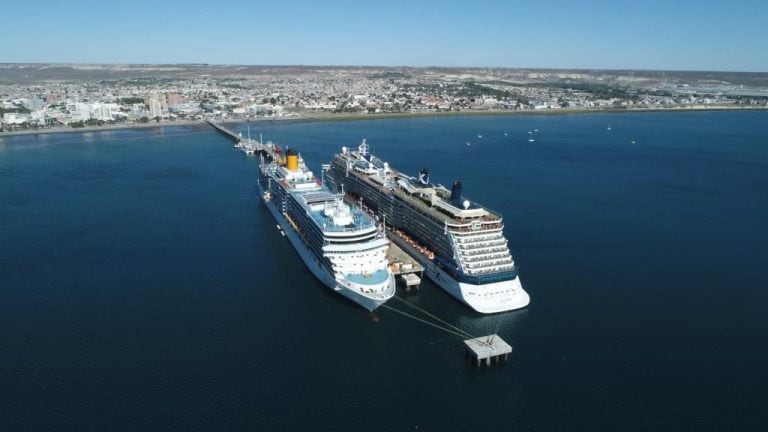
[[373, 66], [685, 36]]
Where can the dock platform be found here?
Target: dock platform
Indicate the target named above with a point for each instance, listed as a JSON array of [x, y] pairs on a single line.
[[248, 145], [411, 280], [488, 349], [408, 269]]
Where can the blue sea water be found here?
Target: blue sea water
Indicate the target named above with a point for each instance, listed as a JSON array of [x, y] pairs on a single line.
[[143, 286]]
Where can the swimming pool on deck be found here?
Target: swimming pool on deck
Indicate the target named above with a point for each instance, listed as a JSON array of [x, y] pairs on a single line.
[[375, 278]]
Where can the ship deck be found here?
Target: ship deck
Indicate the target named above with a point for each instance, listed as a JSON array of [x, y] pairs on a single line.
[[360, 222], [423, 207], [375, 278], [441, 216]]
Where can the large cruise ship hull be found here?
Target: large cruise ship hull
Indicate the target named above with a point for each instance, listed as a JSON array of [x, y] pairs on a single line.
[[314, 266], [488, 298], [494, 297]]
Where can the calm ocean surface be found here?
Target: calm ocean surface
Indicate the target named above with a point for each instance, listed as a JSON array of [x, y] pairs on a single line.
[[143, 286]]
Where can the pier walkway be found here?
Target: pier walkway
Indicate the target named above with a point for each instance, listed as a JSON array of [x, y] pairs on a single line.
[[248, 145], [403, 265], [225, 131]]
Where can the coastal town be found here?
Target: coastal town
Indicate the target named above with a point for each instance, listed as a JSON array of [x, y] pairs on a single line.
[[37, 97]]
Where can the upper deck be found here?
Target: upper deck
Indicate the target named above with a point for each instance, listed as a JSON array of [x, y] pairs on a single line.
[[326, 209], [336, 216], [432, 200]]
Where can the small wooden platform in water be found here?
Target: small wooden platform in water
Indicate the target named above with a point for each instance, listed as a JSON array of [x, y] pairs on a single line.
[[488, 349]]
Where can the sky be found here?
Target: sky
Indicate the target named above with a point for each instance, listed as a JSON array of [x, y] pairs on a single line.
[[579, 34]]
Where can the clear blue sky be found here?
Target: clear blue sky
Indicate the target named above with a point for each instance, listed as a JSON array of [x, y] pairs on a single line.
[[618, 34]]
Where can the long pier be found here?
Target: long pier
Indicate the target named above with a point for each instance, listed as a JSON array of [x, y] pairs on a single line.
[[225, 131], [248, 145]]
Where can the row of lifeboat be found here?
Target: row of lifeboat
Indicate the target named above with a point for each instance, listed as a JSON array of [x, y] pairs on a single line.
[[424, 251]]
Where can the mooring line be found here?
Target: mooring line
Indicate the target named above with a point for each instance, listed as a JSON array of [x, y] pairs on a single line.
[[466, 334], [424, 321]]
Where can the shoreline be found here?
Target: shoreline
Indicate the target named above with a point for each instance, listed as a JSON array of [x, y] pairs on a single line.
[[104, 128], [543, 112], [361, 116]]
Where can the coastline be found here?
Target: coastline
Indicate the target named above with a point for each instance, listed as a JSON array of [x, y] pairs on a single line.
[[544, 112], [101, 128], [364, 116]]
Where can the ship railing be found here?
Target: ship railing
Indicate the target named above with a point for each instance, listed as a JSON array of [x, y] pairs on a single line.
[[485, 251], [338, 229], [489, 264], [474, 239], [360, 223], [485, 257], [496, 241], [471, 228], [485, 245], [475, 246], [486, 265], [493, 215], [498, 269]]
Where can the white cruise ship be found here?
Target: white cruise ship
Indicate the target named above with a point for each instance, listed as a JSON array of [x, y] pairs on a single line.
[[339, 242], [460, 243]]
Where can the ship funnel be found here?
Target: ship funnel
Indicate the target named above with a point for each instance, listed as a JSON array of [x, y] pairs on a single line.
[[362, 149], [291, 160], [424, 176], [456, 192]]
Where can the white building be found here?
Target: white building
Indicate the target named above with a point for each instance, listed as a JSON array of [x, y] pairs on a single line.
[[16, 118], [79, 111], [155, 107]]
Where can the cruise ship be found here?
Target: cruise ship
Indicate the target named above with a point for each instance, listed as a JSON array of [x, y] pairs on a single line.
[[339, 242], [460, 243]]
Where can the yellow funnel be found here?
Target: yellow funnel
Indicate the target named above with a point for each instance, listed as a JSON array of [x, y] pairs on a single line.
[[291, 160]]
